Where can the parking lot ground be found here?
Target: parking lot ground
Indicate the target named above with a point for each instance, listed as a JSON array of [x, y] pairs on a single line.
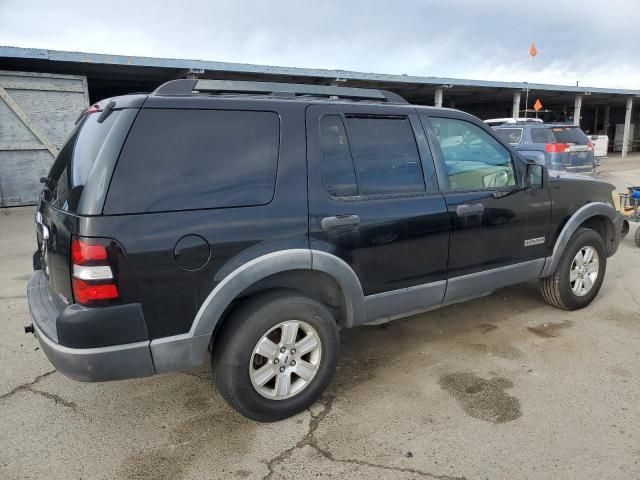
[[502, 387]]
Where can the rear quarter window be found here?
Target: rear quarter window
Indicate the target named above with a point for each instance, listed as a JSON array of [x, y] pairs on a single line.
[[509, 135], [196, 159], [542, 135]]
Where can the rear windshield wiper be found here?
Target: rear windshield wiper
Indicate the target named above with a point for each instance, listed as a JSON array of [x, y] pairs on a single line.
[[106, 111]]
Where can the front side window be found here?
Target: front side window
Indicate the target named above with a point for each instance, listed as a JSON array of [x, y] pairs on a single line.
[[474, 160]]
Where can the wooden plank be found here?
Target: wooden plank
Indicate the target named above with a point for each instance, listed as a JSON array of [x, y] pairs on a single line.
[[19, 176], [9, 84], [40, 75], [85, 85], [8, 147], [54, 112], [27, 121]]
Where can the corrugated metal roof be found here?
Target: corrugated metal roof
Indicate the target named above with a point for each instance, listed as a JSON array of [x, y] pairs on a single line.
[[211, 66]]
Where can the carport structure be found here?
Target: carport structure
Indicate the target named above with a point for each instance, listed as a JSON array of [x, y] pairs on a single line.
[[597, 110]]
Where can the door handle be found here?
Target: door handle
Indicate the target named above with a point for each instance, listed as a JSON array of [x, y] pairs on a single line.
[[329, 223], [470, 210]]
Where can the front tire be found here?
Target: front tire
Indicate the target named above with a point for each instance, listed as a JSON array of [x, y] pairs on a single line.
[[275, 355], [579, 274]]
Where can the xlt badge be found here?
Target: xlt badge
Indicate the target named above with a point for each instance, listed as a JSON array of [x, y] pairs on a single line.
[[533, 241]]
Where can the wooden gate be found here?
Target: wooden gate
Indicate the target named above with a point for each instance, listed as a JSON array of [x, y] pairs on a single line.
[[37, 113]]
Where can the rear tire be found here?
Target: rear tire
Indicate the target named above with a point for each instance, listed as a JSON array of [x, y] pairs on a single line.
[[574, 285], [275, 355], [636, 237]]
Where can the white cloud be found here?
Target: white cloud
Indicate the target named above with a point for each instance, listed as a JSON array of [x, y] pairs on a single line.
[[588, 41]]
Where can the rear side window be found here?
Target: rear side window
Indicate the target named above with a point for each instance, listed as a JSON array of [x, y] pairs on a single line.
[[196, 159], [369, 156], [509, 135], [338, 172], [542, 135], [385, 155], [570, 135]]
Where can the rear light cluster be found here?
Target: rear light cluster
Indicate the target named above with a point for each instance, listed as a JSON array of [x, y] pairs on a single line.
[[556, 147], [590, 145], [93, 279]]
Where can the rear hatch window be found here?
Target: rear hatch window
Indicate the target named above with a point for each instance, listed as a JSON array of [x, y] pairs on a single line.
[[570, 135], [509, 135], [92, 145]]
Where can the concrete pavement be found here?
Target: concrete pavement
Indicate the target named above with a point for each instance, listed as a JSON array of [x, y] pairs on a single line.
[[501, 387]]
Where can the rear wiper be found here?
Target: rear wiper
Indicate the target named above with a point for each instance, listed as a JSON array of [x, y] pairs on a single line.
[[106, 111]]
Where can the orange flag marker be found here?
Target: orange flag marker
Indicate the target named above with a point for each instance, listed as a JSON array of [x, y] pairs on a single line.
[[533, 51], [538, 105]]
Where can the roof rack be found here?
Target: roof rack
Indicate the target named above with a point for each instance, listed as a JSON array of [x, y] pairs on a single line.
[[190, 86]]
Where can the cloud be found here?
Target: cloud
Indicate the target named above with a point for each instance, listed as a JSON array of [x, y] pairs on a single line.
[[588, 41]]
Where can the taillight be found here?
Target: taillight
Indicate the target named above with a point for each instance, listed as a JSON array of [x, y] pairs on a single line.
[[82, 253], [93, 278], [87, 293], [556, 147], [590, 146]]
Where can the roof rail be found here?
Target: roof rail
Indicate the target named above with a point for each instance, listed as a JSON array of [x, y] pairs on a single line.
[[189, 86]]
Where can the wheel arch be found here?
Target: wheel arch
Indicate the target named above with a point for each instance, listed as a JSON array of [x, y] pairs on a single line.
[[319, 274], [598, 216]]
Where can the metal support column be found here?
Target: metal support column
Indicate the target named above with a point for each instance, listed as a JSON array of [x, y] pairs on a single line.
[[595, 122], [577, 106], [627, 127], [605, 123], [515, 111], [438, 97]]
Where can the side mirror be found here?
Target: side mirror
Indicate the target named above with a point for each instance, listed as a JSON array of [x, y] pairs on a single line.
[[534, 176]]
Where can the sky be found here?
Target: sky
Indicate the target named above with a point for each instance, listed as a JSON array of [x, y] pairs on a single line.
[[596, 43]]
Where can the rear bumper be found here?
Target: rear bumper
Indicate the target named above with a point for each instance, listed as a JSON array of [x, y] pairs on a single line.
[[116, 362]]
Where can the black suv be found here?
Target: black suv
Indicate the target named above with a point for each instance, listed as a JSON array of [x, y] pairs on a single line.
[[246, 223]]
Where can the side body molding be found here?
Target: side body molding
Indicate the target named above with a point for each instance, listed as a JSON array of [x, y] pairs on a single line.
[[190, 349], [583, 213]]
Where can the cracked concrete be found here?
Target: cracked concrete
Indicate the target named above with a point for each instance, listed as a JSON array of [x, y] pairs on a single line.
[[309, 440], [388, 413]]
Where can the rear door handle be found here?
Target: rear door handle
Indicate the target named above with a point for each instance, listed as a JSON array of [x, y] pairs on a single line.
[[329, 223], [470, 210]]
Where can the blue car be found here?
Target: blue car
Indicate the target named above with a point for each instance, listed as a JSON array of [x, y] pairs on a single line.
[[557, 146]]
